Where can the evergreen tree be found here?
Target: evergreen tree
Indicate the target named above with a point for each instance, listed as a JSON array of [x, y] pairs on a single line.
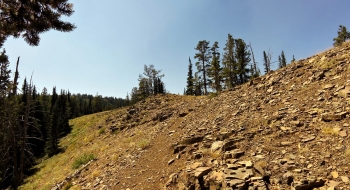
[[255, 71], [215, 69], [52, 128], [189, 87], [149, 76], [280, 65], [31, 18], [243, 59], [4, 74], [283, 59], [203, 56], [229, 63], [6, 135], [161, 86], [198, 85], [97, 104], [343, 35], [143, 90], [267, 61], [293, 59]]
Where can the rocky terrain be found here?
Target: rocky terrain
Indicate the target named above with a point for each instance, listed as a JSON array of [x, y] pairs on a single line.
[[285, 130]]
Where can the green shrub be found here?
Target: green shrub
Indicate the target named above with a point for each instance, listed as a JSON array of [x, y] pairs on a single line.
[[68, 186], [101, 131], [142, 144], [212, 95], [82, 160]]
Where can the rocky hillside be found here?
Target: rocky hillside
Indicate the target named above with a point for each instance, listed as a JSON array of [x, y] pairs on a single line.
[[285, 130]]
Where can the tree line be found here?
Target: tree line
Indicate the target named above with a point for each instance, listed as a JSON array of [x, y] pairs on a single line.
[[31, 123], [234, 68]]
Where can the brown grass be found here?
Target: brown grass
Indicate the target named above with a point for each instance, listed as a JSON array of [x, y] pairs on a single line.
[[327, 130]]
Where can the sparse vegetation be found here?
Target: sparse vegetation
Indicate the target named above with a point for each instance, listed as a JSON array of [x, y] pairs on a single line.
[[95, 173], [212, 95], [84, 159], [326, 64], [347, 153], [68, 186], [101, 131], [328, 130], [142, 144]]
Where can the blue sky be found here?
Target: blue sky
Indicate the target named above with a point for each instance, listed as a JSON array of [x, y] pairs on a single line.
[[114, 39]]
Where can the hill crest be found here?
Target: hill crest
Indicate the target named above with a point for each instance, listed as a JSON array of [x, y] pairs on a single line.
[[285, 130]]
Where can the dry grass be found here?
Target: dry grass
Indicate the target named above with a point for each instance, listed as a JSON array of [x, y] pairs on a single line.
[[143, 144], [302, 149], [347, 153], [95, 173], [208, 153], [58, 167], [327, 130]]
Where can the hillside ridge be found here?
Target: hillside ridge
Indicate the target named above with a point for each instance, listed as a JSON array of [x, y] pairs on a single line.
[[287, 129]]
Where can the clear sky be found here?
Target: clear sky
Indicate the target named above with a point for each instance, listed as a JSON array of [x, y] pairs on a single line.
[[114, 39]]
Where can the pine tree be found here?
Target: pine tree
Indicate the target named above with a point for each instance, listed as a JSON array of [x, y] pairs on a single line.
[[229, 63], [203, 56], [31, 18], [161, 86], [343, 35], [255, 71], [293, 59], [198, 85], [52, 129], [243, 59], [4, 74], [189, 87], [283, 59], [149, 76], [279, 62], [267, 61], [214, 72]]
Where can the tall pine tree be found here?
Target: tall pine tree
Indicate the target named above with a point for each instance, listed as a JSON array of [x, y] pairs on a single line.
[[283, 59], [203, 56], [229, 63], [280, 65], [215, 69], [243, 59], [189, 87]]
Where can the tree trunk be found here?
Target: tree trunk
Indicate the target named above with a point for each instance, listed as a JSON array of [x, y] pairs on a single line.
[[204, 78]]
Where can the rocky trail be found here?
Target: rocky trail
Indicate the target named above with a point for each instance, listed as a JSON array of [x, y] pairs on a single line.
[[288, 129]]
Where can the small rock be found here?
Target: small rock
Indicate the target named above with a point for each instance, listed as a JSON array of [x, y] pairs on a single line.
[[286, 143], [216, 146], [308, 139], [343, 133], [202, 171], [331, 117], [297, 122], [335, 174], [171, 161], [247, 164], [196, 165], [332, 183], [297, 170], [345, 179], [328, 86]]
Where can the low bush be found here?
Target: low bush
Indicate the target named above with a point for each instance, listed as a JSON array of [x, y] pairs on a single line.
[[82, 160]]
